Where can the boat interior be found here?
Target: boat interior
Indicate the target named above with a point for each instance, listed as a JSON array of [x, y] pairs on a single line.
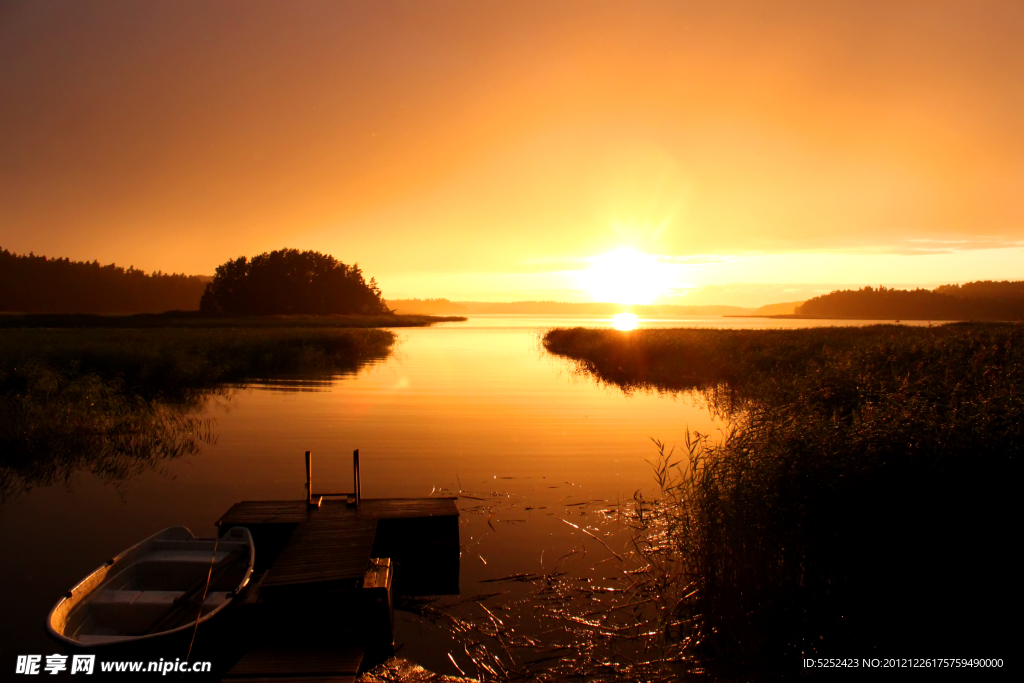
[[164, 584]]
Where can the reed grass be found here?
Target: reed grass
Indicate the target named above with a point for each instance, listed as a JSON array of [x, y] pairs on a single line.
[[170, 363], [603, 612], [688, 358], [59, 424], [860, 505], [592, 614], [118, 401]]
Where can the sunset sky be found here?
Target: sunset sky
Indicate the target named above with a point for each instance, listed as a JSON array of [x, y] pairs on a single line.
[[671, 152]]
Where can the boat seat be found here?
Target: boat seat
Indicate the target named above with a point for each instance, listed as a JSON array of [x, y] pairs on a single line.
[[133, 612], [169, 570], [131, 597], [188, 556]]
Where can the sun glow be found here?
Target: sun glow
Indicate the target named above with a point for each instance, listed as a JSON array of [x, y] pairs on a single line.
[[625, 321], [626, 276]]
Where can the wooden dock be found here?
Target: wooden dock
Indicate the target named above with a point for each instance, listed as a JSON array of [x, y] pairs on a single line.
[[330, 546], [320, 605]]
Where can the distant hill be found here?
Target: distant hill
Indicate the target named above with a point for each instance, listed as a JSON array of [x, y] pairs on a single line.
[[986, 300], [425, 307], [788, 308], [37, 284], [446, 307]]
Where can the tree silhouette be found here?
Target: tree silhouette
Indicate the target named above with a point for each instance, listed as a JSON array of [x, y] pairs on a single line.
[[37, 284], [289, 281], [973, 301]]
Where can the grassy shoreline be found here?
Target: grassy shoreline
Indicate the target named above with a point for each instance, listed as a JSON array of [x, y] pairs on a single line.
[[117, 400], [195, 319], [862, 502], [168, 363]]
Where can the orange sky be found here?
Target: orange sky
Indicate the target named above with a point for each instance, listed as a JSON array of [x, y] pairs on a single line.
[[493, 150]]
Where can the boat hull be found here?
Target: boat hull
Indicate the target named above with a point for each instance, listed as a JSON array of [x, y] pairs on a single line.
[[168, 583]]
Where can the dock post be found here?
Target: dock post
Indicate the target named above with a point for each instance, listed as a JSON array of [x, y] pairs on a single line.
[[309, 479], [355, 476]]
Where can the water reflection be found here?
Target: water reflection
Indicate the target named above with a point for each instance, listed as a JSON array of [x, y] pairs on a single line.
[[475, 406], [115, 402], [116, 441], [290, 385]]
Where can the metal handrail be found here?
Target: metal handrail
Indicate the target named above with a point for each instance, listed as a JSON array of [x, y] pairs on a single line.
[[314, 500]]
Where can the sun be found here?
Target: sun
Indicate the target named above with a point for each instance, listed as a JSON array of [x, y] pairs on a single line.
[[626, 276], [625, 322]]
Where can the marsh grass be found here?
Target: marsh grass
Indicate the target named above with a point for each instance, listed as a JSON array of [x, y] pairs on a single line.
[[861, 504], [116, 402], [683, 359], [615, 608], [170, 363], [601, 611], [60, 424]]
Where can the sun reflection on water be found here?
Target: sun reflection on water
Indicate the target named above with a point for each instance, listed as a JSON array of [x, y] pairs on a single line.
[[625, 321]]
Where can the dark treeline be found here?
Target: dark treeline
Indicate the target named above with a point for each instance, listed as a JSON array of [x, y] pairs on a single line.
[[973, 301], [289, 281], [985, 289], [37, 284]]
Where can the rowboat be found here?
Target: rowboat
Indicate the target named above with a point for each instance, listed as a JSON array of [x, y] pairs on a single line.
[[168, 583]]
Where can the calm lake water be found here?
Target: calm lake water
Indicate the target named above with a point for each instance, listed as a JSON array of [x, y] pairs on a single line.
[[477, 406]]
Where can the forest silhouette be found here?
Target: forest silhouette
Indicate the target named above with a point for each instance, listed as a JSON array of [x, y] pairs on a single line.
[[289, 281], [37, 284], [286, 281], [986, 300]]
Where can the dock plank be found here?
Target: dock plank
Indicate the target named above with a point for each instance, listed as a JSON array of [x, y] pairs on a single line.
[[319, 601], [251, 512], [265, 512], [328, 548]]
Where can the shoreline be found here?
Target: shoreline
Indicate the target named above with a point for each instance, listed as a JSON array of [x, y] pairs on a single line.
[[195, 319], [794, 316]]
